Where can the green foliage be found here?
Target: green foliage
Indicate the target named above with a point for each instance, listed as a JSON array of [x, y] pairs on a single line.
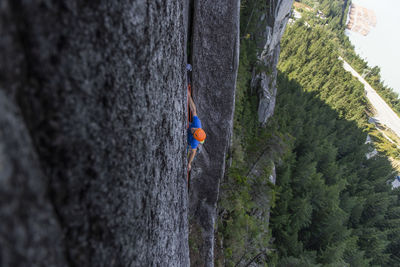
[[334, 203], [245, 199], [243, 228], [334, 12], [331, 206], [314, 55]]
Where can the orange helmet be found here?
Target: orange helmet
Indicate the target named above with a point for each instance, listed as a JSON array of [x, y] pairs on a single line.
[[199, 135]]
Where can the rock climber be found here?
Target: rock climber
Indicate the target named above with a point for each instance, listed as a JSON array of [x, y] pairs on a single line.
[[195, 134]]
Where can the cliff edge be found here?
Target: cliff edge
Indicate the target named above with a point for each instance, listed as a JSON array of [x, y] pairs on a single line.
[[215, 53], [274, 22]]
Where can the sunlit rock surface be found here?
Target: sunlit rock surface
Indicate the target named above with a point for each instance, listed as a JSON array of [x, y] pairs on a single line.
[[265, 82]]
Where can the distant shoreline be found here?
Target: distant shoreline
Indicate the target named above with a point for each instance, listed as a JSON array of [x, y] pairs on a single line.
[[380, 46]]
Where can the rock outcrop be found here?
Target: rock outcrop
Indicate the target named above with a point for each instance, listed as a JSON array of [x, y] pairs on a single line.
[[215, 53], [92, 130], [265, 81], [215, 58]]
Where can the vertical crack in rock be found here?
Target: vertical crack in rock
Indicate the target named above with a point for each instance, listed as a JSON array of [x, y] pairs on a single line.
[[190, 15], [215, 52]]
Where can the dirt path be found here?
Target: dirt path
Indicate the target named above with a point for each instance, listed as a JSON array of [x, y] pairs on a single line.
[[383, 113]]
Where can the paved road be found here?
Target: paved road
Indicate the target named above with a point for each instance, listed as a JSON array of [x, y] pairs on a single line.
[[383, 113]]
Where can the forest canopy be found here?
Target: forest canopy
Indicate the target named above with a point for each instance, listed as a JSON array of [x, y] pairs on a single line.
[[331, 206], [335, 205]]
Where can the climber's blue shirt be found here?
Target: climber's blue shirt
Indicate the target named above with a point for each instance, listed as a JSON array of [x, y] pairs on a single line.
[[193, 143]]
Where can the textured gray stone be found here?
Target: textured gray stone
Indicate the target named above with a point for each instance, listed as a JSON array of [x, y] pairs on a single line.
[[275, 23], [101, 88], [215, 53], [30, 234]]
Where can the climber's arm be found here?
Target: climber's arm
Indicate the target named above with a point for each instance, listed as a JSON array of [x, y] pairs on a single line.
[[192, 106]]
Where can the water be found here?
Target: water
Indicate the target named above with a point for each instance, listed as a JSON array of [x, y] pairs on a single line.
[[381, 46]]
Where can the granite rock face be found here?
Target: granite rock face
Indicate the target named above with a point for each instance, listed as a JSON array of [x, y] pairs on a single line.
[[265, 82], [87, 90], [215, 53], [30, 232]]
